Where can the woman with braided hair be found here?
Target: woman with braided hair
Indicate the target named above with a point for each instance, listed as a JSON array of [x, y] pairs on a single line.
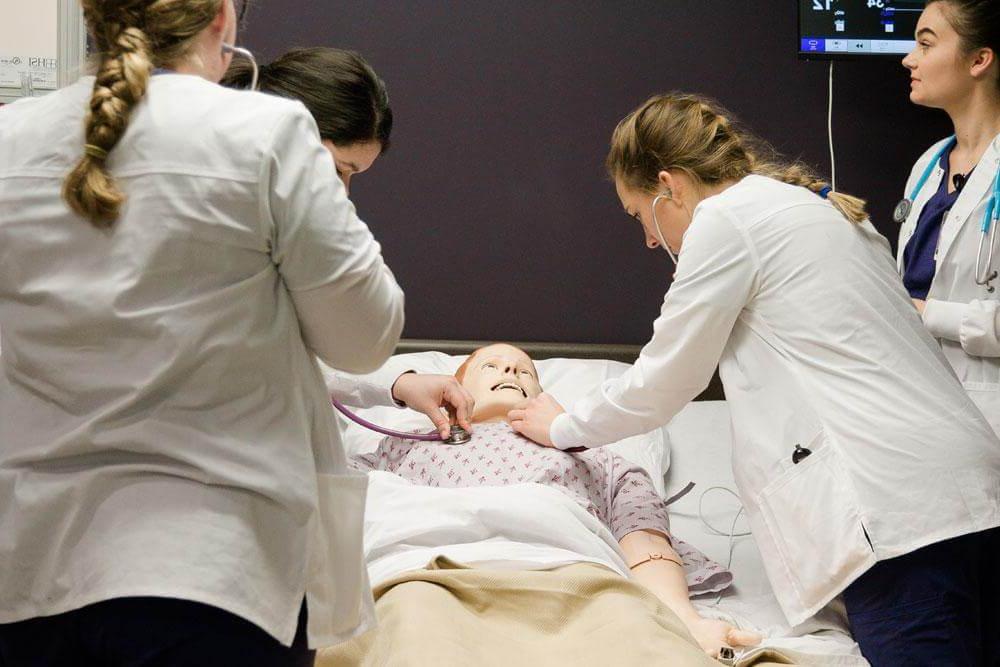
[[864, 467], [174, 256]]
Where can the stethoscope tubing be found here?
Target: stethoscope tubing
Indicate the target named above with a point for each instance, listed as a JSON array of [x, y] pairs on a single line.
[[989, 220], [381, 429], [990, 215]]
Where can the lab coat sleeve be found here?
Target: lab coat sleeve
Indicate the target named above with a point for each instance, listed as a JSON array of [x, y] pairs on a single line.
[[716, 276], [349, 307], [975, 325], [358, 392]]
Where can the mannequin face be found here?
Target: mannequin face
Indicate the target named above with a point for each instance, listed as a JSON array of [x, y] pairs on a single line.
[[499, 377], [941, 74]]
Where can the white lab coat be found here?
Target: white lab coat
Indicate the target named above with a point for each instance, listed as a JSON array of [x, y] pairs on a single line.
[[164, 426], [369, 392], [819, 346], [963, 316]]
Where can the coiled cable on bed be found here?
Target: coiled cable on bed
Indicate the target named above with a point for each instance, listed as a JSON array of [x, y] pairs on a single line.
[[732, 534]]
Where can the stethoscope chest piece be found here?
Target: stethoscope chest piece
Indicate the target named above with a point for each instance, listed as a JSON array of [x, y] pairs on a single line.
[[902, 211], [459, 436]]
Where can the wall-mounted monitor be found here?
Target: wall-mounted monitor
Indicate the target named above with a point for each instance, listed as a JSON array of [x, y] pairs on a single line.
[[851, 29]]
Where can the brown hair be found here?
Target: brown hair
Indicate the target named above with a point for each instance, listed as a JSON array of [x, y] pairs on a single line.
[[977, 23], [695, 135], [339, 88], [132, 37]]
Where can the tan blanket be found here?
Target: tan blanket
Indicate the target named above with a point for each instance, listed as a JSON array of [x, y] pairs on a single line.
[[578, 615]]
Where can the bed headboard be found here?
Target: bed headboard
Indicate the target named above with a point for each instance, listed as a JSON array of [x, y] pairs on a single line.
[[624, 353]]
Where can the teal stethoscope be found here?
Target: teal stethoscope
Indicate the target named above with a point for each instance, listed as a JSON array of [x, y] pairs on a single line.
[[990, 217]]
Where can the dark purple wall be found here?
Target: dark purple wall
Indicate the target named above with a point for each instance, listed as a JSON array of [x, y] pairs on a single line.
[[492, 206]]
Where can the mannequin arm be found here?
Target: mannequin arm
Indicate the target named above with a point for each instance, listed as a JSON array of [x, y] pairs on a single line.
[[666, 580]]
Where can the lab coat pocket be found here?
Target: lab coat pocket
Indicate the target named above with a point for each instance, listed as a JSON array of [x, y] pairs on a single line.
[[339, 594], [813, 516]]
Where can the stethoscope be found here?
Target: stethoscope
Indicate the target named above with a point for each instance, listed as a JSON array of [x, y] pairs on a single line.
[[227, 48], [668, 195], [458, 435], [990, 216], [240, 51]]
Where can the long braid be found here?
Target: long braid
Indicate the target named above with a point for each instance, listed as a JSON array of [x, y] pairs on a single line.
[[132, 36], [695, 135], [121, 83]]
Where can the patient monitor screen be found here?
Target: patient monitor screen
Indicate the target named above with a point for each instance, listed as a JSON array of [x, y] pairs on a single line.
[[857, 28]]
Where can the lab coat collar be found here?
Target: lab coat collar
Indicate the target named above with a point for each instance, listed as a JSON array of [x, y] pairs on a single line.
[[968, 202]]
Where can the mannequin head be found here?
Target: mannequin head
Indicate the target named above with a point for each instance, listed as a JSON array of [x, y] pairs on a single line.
[[500, 377]]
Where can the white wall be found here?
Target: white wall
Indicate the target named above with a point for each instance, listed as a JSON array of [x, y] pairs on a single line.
[[28, 34]]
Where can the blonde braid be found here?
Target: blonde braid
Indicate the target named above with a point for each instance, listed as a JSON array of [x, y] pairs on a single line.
[[798, 173], [697, 136], [90, 190], [133, 36]]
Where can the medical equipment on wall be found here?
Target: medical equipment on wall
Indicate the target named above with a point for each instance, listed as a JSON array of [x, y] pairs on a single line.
[[245, 53], [856, 29], [990, 216], [458, 435]]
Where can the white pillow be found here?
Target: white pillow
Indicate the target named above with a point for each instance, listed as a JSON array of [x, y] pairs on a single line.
[[568, 380]]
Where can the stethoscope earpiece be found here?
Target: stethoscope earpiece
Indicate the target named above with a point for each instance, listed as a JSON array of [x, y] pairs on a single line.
[[240, 51], [668, 195]]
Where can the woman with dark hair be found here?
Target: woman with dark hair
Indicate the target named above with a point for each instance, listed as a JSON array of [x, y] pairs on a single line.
[[350, 105], [342, 92], [953, 190]]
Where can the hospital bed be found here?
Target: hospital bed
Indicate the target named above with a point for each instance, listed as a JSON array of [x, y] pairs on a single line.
[[694, 447]]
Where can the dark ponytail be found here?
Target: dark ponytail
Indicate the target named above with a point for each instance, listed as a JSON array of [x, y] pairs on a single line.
[[240, 74], [341, 91]]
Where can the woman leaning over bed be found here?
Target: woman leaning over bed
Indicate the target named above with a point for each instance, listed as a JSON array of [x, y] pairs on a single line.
[[864, 467], [350, 105]]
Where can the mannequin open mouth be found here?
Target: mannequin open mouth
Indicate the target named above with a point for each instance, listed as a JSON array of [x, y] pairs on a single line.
[[509, 386]]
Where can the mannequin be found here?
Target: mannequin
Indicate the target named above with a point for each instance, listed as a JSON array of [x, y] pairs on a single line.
[[502, 377]]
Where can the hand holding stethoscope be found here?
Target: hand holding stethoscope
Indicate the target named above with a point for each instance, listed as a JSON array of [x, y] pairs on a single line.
[[984, 274]]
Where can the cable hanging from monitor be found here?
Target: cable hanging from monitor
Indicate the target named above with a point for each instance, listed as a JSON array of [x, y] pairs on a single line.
[[829, 130]]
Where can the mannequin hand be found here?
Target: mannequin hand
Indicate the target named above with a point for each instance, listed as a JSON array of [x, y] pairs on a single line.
[[920, 305], [429, 393], [534, 420], [712, 635]]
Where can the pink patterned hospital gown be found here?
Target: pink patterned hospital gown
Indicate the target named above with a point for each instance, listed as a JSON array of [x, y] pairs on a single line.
[[621, 495]]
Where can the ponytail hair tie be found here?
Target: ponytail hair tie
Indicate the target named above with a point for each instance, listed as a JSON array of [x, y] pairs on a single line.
[[825, 191], [95, 152]]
